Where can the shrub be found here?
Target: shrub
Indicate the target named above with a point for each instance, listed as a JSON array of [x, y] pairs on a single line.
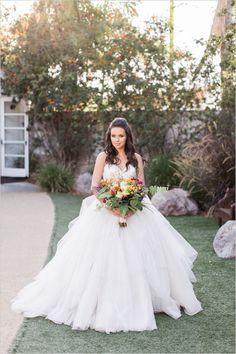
[[207, 168], [160, 171], [55, 177]]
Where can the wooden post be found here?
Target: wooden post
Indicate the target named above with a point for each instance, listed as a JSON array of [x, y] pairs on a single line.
[[171, 28]]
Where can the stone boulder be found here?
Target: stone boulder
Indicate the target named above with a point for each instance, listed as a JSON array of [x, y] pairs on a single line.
[[175, 201], [83, 183], [224, 242]]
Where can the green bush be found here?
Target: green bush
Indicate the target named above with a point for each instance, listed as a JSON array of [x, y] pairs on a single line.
[[34, 163], [160, 172], [206, 168], [55, 177]]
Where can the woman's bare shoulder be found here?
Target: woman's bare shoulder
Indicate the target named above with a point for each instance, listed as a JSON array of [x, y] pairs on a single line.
[[139, 157], [101, 156]]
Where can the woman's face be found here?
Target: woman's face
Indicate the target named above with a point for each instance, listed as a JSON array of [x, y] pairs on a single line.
[[118, 138]]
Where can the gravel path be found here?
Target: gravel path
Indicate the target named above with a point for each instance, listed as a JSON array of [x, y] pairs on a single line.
[[26, 223]]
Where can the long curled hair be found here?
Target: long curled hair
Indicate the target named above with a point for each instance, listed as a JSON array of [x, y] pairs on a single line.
[[111, 151]]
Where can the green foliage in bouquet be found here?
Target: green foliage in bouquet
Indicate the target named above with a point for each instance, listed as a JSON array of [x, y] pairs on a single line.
[[55, 177]]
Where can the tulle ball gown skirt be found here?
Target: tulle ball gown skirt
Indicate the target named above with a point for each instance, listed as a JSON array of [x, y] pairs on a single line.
[[111, 278]]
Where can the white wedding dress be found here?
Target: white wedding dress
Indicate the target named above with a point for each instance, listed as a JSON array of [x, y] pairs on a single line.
[[113, 278]]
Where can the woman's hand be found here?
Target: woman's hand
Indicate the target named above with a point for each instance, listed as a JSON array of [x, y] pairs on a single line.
[[116, 212], [130, 213]]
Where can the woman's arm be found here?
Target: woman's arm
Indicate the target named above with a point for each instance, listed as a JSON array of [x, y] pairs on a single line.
[[97, 172], [140, 168]]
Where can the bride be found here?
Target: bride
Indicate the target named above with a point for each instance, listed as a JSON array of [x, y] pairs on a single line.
[[111, 278]]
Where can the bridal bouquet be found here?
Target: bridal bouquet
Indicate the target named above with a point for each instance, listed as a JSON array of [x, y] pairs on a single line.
[[124, 194]]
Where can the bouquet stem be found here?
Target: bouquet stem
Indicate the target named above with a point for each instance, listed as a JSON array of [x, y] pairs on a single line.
[[122, 221]]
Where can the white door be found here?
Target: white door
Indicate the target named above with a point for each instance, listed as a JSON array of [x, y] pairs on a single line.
[[14, 140]]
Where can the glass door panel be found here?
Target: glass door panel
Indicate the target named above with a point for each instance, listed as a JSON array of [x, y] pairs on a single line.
[[14, 162], [14, 121], [14, 142], [14, 149], [14, 135]]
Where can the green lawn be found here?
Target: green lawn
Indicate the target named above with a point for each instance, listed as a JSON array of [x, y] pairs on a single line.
[[210, 331]]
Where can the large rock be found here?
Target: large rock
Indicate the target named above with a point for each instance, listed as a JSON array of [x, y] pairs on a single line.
[[83, 183], [224, 242], [175, 201]]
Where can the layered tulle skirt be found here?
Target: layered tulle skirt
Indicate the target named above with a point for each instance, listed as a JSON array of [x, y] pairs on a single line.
[[113, 278]]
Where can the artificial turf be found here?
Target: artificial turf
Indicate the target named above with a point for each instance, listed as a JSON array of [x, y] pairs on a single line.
[[210, 331]]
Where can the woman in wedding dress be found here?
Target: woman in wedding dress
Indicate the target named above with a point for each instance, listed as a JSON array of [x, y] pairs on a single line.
[[111, 278]]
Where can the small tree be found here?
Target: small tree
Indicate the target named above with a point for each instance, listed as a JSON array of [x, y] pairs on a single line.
[[68, 58]]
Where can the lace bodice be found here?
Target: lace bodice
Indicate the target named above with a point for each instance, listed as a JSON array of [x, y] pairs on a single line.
[[116, 172]]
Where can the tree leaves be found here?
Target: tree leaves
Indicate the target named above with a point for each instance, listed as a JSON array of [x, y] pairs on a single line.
[[104, 65]]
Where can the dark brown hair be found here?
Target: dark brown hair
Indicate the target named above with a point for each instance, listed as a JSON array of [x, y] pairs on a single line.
[[111, 151]]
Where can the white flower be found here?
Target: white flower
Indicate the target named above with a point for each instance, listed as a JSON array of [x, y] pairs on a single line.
[[119, 195], [123, 185]]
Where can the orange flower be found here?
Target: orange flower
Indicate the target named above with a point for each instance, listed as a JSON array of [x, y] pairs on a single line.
[[51, 101], [71, 60]]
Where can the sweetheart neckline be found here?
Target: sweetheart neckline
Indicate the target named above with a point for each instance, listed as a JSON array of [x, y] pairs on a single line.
[[118, 166]]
